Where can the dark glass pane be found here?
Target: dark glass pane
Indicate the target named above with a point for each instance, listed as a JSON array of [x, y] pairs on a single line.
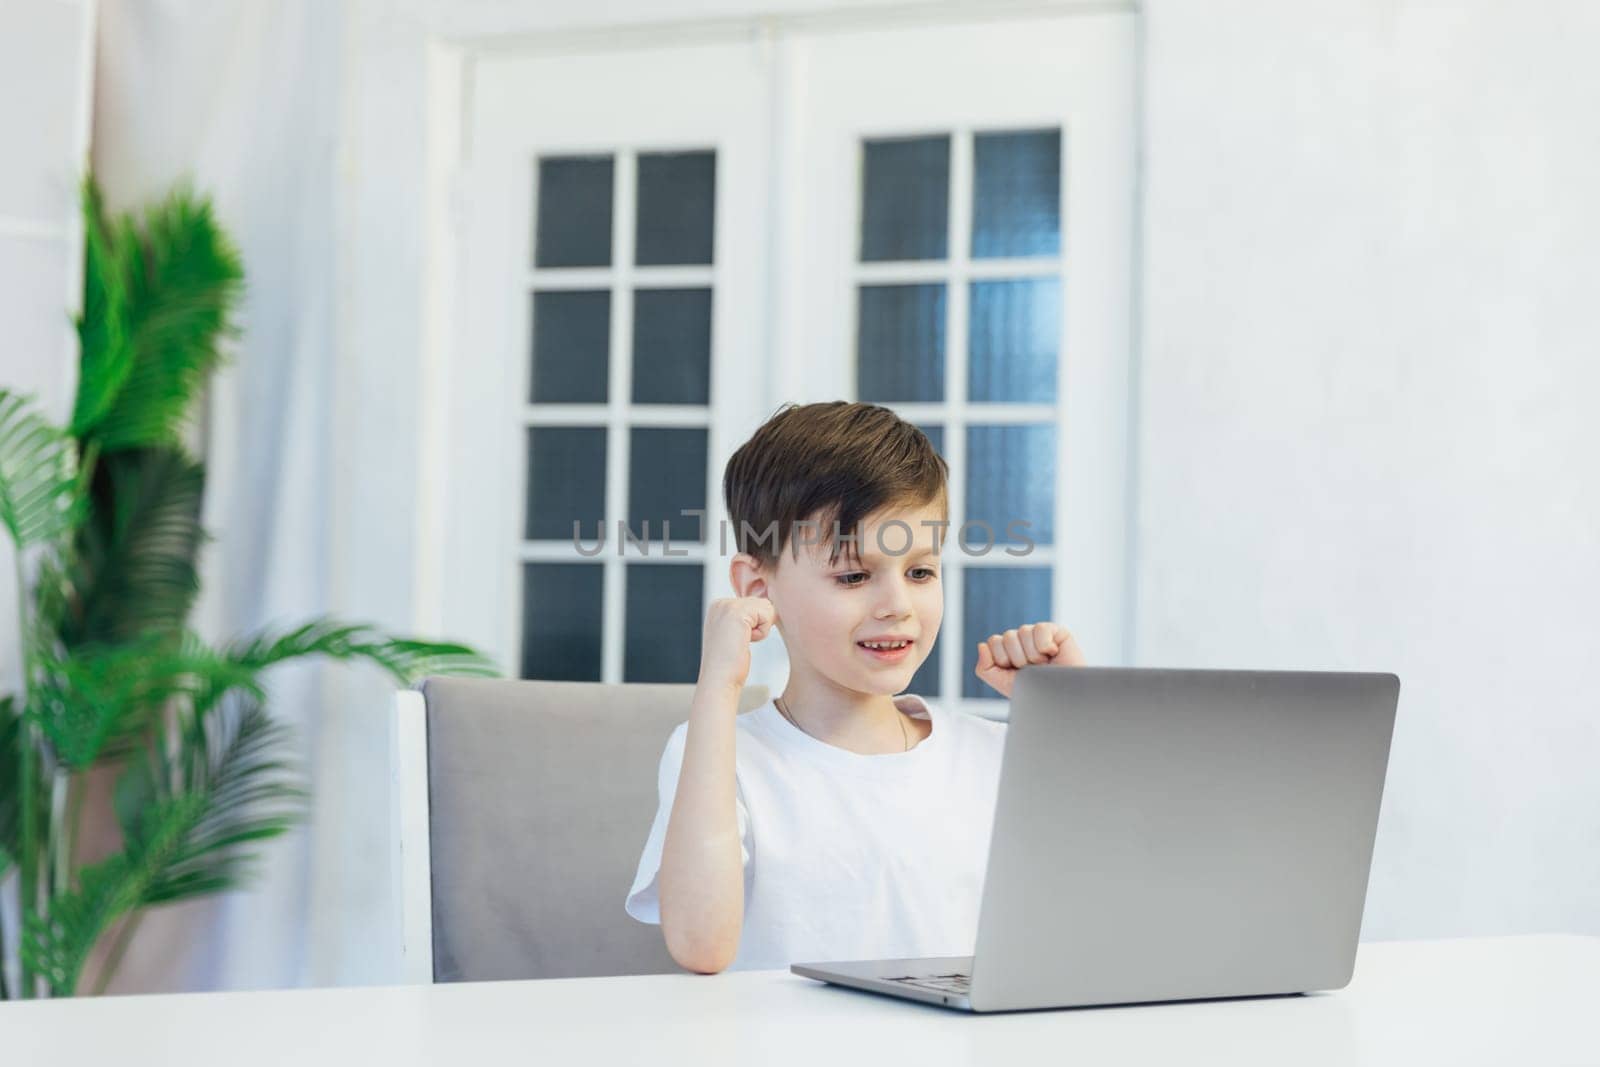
[[900, 343], [566, 482], [994, 600], [667, 475], [574, 216], [925, 683], [571, 342], [663, 622], [1011, 476], [1014, 330], [905, 198], [935, 435], [672, 346], [677, 202], [561, 621], [1016, 194]]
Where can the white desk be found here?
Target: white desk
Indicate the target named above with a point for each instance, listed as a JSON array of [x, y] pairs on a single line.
[[1521, 1000]]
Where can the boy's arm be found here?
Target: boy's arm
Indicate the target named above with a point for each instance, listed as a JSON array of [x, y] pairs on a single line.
[[702, 870]]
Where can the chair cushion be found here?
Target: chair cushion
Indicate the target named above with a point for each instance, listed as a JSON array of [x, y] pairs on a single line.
[[540, 797]]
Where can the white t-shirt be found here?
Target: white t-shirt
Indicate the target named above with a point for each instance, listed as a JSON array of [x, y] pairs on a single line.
[[850, 857]]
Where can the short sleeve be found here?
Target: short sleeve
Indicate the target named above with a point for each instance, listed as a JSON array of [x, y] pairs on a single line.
[[644, 902]]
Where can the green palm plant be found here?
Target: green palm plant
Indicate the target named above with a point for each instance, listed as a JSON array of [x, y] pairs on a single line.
[[104, 515]]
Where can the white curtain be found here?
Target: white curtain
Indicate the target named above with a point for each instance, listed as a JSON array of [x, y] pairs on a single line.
[[242, 98]]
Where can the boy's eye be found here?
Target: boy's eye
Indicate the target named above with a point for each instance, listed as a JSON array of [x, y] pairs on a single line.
[[921, 574]]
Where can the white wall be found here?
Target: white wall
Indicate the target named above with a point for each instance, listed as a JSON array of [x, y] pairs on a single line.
[[1370, 329], [44, 137]]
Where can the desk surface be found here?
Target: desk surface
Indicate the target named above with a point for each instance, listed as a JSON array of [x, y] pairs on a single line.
[[1506, 1000]]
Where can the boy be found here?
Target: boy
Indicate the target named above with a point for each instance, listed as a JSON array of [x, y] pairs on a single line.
[[838, 821]]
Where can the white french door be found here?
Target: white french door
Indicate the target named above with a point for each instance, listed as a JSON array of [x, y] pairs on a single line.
[[614, 257], [962, 250], [660, 243]]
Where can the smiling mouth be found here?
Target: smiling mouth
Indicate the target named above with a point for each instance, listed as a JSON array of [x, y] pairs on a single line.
[[884, 646]]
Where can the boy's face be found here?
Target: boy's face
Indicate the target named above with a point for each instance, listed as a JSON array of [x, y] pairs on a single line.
[[890, 592]]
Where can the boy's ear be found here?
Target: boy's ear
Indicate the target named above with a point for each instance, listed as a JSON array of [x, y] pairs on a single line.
[[747, 576]]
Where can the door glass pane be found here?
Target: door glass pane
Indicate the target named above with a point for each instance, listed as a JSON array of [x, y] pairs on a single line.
[[667, 476], [1016, 194], [1011, 475], [561, 621], [663, 622], [926, 681], [574, 212], [677, 201], [997, 599], [905, 198], [672, 346], [1013, 336], [571, 342], [900, 343], [566, 482]]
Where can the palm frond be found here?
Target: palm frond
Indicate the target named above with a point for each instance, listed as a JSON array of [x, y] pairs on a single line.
[[182, 290], [104, 332], [53, 601], [40, 499], [250, 792], [406, 659], [13, 737], [57, 943], [92, 700], [135, 567]]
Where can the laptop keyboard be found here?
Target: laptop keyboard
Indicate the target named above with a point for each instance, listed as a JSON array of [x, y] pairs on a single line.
[[938, 983]]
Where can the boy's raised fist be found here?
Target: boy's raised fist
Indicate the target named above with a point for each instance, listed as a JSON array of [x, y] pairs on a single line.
[[732, 624], [1036, 644]]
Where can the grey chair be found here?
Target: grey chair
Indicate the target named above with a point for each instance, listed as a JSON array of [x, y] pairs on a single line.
[[521, 809]]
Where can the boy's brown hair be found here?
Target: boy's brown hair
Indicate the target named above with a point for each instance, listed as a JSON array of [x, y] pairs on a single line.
[[832, 463]]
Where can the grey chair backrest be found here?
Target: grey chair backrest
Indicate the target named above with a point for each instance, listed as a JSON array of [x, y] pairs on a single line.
[[540, 795]]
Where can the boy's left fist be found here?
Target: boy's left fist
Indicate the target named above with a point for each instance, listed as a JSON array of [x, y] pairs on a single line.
[[1038, 643]]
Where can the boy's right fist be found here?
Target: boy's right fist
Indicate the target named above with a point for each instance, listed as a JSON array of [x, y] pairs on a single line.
[[732, 623]]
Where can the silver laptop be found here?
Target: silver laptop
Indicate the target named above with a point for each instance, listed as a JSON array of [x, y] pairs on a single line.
[[1168, 835]]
